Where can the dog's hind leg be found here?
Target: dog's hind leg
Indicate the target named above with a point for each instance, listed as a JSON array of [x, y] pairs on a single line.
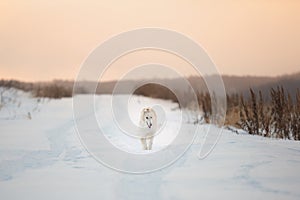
[[144, 143]]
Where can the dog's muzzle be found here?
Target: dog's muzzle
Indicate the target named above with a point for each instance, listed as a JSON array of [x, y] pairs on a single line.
[[149, 124]]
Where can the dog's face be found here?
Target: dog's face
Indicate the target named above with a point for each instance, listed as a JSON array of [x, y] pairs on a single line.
[[148, 116]]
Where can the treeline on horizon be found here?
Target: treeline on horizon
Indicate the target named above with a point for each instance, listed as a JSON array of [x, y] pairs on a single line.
[[55, 89], [233, 84]]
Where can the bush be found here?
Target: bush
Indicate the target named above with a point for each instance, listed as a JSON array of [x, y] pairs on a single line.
[[278, 118], [54, 89]]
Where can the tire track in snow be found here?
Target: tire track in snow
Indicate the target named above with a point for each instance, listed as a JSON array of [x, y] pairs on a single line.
[[245, 178]]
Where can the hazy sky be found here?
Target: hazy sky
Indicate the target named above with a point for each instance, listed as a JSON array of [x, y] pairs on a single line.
[[43, 40]]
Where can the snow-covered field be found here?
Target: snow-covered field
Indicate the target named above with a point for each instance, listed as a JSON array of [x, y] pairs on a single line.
[[43, 158]]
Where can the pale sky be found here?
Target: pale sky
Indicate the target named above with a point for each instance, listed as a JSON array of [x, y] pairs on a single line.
[[45, 40]]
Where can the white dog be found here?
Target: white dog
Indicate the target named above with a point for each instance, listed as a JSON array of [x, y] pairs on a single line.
[[148, 121]]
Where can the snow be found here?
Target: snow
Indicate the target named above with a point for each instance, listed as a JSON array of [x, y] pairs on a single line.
[[43, 158]]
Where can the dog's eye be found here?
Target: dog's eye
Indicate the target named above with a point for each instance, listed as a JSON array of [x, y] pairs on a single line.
[[146, 117]]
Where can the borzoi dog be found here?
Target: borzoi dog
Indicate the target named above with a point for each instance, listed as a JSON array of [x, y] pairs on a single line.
[[148, 122]]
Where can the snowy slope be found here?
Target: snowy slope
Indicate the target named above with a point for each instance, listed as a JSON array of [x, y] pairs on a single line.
[[16, 104], [42, 158]]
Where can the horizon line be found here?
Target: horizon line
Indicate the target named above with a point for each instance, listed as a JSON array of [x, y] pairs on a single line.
[[113, 80]]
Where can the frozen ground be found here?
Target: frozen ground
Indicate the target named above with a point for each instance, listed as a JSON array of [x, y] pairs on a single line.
[[42, 158]]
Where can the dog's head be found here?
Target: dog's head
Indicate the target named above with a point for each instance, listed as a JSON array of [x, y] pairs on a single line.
[[148, 116]]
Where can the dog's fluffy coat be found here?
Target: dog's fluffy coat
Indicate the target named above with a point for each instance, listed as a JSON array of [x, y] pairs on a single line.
[[148, 121]]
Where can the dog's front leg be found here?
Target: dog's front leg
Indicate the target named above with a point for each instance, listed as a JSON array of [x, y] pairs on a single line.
[[144, 143], [150, 143]]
